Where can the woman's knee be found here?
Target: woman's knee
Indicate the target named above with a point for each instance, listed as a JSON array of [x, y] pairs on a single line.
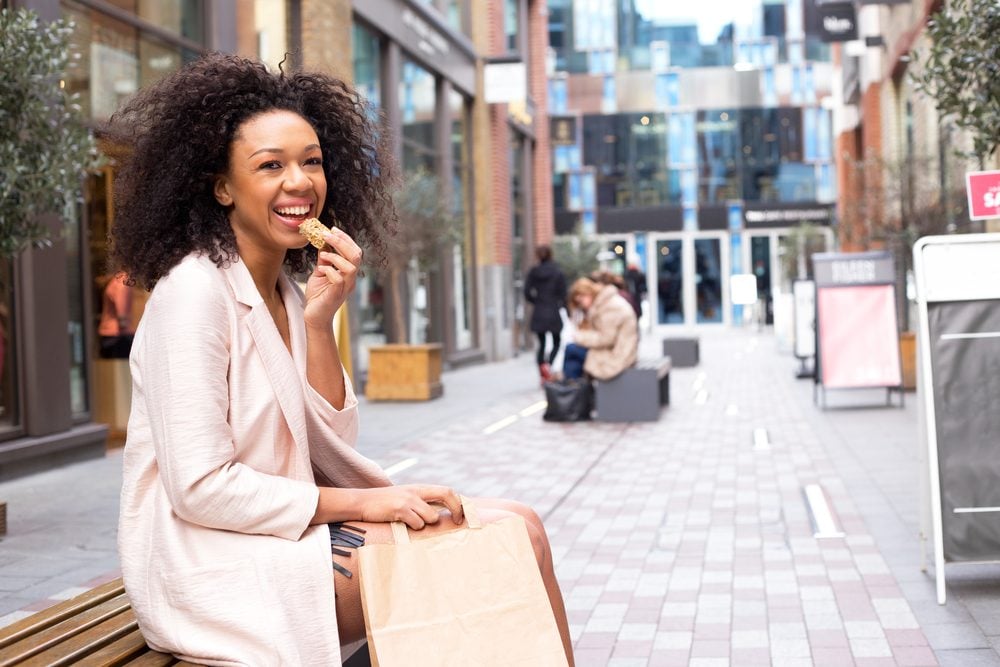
[[533, 523]]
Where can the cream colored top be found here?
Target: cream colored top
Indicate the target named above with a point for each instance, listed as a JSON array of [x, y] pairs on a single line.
[[226, 445]]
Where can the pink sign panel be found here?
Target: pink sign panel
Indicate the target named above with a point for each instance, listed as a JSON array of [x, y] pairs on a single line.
[[984, 194], [858, 337]]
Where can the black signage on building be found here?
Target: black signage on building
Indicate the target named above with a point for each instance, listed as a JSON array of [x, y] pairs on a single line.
[[563, 130], [837, 22], [784, 214]]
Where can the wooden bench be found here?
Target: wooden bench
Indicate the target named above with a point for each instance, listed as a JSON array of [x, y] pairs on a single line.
[[635, 395], [96, 628]]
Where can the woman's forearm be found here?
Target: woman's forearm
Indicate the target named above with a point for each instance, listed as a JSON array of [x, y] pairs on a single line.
[[324, 370]]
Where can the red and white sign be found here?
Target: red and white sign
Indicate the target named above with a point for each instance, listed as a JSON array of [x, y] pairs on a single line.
[[984, 194]]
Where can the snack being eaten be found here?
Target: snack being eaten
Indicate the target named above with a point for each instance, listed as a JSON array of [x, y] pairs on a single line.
[[313, 229]]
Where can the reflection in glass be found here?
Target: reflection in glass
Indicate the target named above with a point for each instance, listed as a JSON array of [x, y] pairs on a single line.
[[708, 279], [366, 62], [670, 281], [417, 103], [760, 263], [462, 268], [117, 59], [74, 274]]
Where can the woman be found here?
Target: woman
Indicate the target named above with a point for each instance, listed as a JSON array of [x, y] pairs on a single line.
[[545, 289], [607, 341], [240, 442]]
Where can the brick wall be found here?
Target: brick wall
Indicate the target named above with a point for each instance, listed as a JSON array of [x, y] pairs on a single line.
[[538, 27], [326, 37]]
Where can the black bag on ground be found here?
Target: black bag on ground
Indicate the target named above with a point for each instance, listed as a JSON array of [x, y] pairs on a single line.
[[568, 400]]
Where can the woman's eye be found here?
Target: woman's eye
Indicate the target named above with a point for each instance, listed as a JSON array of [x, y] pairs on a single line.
[[272, 164], [314, 161]]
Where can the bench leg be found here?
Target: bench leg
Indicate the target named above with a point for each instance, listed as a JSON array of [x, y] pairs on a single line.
[[665, 390]]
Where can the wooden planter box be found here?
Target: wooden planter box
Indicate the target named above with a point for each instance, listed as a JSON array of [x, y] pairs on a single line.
[[908, 357], [404, 372]]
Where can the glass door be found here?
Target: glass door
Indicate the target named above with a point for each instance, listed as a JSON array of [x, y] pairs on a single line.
[[669, 273], [690, 274]]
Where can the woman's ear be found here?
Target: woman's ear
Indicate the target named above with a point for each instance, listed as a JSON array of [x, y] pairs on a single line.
[[221, 190]]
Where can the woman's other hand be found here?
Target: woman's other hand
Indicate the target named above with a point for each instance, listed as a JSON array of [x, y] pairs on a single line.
[[333, 279], [416, 505]]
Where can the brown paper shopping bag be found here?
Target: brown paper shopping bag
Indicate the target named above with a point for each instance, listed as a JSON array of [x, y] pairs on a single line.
[[472, 597]]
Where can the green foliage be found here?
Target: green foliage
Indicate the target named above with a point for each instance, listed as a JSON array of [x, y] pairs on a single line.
[[961, 70], [577, 254], [427, 222], [45, 147]]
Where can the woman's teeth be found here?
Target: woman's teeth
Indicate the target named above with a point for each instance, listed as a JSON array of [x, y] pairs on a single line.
[[292, 210]]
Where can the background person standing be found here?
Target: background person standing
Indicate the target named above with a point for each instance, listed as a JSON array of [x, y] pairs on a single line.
[[545, 289]]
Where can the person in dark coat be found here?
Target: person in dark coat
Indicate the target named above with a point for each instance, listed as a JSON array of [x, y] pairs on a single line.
[[545, 289]]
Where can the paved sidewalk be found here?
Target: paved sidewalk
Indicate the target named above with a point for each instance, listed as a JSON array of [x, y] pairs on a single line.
[[677, 542]]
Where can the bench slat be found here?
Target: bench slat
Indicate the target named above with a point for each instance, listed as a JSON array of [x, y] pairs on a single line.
[[153, 659], [64, 631], [120, 652], [58, 613], [70, 651]]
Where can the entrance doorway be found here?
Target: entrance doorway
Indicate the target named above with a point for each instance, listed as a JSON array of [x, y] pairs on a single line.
[[778, 257], [689, 278]]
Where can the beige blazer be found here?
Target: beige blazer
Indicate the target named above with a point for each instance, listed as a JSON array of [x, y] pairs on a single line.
[[612, 340], [226, 445]]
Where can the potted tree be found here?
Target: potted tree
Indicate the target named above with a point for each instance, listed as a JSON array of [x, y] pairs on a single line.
[[405, 369], [45, 144]]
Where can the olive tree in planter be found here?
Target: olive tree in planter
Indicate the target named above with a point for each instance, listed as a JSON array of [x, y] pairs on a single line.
[[961, 70], [45, 146], [404, 370]]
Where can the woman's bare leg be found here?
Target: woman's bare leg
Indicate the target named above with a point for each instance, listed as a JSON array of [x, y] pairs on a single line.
[[350, 618]]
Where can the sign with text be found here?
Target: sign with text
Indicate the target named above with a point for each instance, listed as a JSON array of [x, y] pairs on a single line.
[[857, 330], [834, 269], [786, 214], [504, 82], [958, 302], [838, 22], [984, 194], [743, 289]]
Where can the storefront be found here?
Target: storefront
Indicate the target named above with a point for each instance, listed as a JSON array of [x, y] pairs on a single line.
[[59, 398], [417, 67]]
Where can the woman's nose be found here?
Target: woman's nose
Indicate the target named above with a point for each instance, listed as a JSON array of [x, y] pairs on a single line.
[[296, 178]]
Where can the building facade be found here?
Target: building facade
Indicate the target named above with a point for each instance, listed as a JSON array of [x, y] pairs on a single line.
[[700, 147], [419, 62]]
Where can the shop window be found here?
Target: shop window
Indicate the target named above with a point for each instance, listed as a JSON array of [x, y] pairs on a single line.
[[185, 18], [463, 268], [417, 104], [9, 417], [116, 59], [270, 18], [366, 64]]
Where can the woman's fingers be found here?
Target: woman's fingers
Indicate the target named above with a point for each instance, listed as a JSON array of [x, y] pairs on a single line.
[[345, 246]]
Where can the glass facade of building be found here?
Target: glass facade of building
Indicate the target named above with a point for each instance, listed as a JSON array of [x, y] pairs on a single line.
[[681, 128]]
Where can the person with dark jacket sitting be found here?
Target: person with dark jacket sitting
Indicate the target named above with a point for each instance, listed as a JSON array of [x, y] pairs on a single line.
[[545, 289]]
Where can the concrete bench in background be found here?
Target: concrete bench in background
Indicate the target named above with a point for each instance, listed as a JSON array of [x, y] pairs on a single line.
[[636, 395], [683, 352]]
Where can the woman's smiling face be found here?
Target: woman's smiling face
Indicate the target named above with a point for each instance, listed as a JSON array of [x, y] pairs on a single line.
[[275, 181]]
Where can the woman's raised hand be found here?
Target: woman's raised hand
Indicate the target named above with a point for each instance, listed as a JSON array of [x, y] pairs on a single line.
[[416, 505], [333, 279]]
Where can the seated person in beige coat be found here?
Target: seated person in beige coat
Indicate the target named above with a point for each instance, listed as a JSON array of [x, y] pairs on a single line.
[[240, 446], [607, 340]]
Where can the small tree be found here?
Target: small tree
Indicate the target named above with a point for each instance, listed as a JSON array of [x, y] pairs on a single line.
[[961, 70], [45, 146], [427, 224], [577, 254]]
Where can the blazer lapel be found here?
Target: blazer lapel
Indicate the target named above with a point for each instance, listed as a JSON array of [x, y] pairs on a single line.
[[281, 369]]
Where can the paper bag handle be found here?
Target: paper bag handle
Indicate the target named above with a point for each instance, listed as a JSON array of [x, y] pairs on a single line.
[[401, 536]]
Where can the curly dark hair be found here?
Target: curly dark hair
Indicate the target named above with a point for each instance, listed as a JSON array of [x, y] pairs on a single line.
[[179, 131]]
